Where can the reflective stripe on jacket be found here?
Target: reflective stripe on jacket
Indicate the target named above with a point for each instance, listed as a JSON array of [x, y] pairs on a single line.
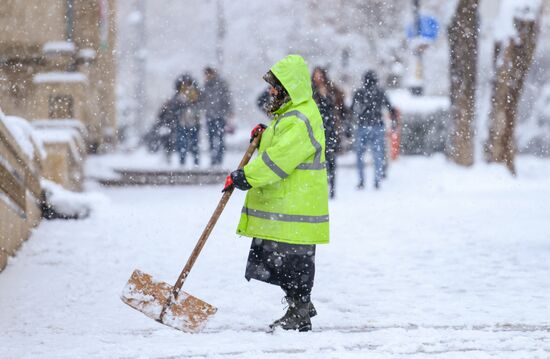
[[288, 201]]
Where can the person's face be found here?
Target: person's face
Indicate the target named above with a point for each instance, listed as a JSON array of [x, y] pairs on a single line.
[[317, 77], [273, 91]]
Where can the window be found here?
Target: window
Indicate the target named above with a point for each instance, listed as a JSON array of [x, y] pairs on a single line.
[[61, 106]]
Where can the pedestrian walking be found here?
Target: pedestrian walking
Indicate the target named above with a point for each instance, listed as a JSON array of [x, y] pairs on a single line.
[[367, 105], [189, 120], [326, 102], [168, 120], [216, 102], [286, 207]]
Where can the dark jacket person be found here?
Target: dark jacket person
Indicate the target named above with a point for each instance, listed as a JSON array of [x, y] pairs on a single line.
[[326, 102], [368, 102], [216, 103], [169, 117]]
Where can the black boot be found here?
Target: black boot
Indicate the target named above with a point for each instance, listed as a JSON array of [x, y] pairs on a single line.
[[312, 310], [297, 316]]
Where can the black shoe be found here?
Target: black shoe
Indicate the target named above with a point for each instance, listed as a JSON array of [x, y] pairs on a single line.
[[361, 185], [377, 185], [297, 316], [312, 310]]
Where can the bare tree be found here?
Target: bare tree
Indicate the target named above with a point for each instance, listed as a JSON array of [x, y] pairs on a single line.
[[513, 56], [463, 44]]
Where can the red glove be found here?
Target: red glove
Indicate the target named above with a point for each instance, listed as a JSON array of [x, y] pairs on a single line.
[[228, 184], [256, 131]]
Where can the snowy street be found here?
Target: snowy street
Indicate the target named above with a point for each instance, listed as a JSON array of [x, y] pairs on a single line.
[[443, 262], [399, 194]]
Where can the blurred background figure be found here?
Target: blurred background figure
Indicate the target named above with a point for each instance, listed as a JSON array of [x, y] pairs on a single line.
[[367, 106], [216, 103], [166, 127], [188, 125], [326, 102], [263, 101], [341, 113]]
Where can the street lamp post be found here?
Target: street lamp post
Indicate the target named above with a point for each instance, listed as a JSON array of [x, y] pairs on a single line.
[[417, 87]]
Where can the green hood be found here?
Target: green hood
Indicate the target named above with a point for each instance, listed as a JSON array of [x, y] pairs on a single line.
[[293, 73]]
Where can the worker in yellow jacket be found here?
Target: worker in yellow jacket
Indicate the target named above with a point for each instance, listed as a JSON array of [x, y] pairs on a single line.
[[286, 207]]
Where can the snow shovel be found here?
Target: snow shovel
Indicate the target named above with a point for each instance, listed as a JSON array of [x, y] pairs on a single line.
[[168, 304]]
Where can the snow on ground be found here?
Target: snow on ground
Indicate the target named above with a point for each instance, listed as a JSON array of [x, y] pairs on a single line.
[[444, 262]]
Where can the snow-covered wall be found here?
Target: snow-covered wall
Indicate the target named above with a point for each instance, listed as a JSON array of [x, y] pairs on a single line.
[[20, 156], [24, 135]]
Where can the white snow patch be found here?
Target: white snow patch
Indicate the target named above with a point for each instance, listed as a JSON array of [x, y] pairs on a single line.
[[63, 135], [87, 53], [25, 136], [61, 123], [408, 103], [52, 77], [510, 10], [68, 203], [58, 46]]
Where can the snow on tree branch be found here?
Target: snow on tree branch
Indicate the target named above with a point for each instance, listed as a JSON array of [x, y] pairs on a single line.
[[512, 11]]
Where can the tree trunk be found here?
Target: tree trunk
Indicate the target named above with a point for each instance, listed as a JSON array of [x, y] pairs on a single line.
[[512, 59], [463, 45]]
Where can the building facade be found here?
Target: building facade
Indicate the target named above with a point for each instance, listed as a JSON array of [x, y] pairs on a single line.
[[57, 62]]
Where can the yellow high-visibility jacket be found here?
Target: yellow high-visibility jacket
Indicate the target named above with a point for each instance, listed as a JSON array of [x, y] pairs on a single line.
[[288, 201]]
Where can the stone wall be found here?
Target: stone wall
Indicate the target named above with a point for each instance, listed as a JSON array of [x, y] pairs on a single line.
[[19, 194]]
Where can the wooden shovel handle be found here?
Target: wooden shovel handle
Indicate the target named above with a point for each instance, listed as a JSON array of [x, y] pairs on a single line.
[[221, 205]]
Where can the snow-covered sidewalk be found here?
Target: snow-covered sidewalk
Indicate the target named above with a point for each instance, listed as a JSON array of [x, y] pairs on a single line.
[[442, 263]]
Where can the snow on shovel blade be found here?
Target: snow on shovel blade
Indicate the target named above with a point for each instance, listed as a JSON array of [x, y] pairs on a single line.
[[149, 296]]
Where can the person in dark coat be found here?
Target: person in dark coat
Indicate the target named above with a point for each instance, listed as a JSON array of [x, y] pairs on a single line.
[[341, 113], [168, 119], [189, 120], [326, 102], [367, 105], [216, 103]]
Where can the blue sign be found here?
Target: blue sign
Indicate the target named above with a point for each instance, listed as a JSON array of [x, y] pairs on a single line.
[[429, 28]]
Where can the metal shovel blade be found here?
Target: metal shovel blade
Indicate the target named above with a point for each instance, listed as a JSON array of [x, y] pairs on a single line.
[[186, 313]]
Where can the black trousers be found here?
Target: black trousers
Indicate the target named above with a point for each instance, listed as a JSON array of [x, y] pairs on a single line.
[[289, 266], [216, 134]]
